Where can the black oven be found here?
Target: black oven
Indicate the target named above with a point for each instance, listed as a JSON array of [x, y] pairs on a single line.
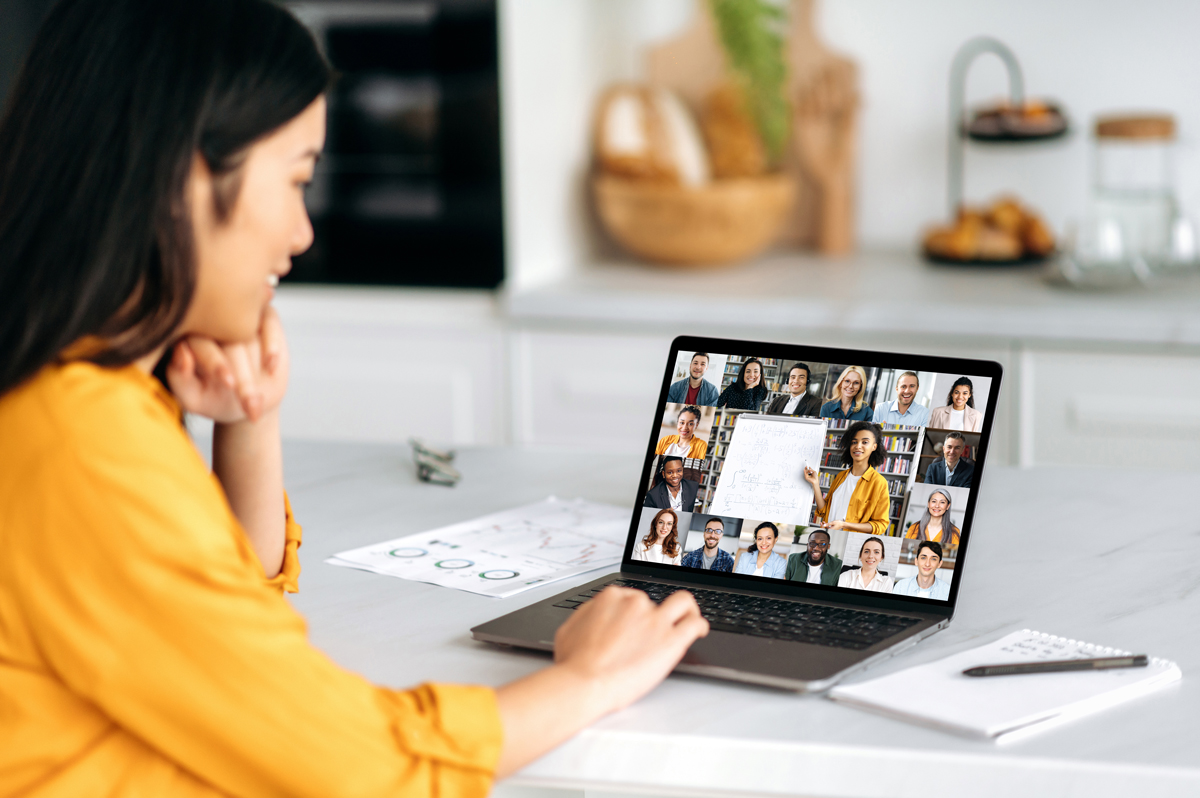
[[408, 190]]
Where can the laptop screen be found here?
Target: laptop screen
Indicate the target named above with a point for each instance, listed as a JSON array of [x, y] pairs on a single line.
[[838, 470]]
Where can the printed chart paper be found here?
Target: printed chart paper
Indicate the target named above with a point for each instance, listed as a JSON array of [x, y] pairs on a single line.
[[504, 553]]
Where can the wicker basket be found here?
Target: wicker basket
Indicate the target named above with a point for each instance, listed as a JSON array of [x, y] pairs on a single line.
[[722, 222]]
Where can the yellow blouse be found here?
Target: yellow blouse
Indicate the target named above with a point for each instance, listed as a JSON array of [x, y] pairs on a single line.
[[142, 652]]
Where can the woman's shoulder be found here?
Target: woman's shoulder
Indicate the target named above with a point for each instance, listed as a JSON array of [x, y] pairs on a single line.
[[80, 407]]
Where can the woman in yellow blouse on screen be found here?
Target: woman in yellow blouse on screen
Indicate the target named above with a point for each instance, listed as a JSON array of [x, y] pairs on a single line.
[[152, 167]]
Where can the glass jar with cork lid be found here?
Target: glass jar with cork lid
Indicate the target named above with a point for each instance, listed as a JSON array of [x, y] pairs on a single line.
[[1133, 189]]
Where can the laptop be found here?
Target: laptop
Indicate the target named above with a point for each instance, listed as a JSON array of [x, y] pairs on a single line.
[[816, 502]]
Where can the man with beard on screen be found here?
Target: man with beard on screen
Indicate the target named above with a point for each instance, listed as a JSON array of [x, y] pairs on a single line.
[[814, 565]]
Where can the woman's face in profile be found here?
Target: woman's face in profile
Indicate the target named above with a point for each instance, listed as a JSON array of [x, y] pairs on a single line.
[[238, 259]]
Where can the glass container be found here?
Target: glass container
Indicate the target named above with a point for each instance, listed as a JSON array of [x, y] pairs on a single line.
[[1133, 185]]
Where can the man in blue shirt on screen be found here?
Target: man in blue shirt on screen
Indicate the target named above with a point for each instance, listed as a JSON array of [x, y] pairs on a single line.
[[694, 389], [710, 556], [903, 409], [925, 584]]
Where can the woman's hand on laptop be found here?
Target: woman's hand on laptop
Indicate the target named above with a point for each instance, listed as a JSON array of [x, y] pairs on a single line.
[[611, 651], [626, 643]]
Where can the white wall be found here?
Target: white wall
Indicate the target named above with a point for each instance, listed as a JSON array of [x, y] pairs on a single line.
[[1091, 55]]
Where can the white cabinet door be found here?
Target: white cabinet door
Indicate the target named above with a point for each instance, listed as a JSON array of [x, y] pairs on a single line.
[[596, 392], [1110, 410], [384, 366]]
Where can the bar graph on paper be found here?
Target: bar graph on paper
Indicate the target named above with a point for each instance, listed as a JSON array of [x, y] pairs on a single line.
[[504, 553]]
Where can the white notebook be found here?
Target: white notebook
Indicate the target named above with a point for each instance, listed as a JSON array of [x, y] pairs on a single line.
[[1007, 707]]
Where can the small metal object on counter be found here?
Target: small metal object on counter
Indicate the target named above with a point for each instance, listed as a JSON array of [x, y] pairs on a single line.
[[433, 465]]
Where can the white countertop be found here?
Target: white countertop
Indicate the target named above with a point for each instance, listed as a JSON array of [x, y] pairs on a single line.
[[868, 293], [1073, 553]]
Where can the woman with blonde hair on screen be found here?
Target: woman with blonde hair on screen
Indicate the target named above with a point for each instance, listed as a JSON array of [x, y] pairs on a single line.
[[153, 161], [935, 521], [959, 412], [849, 397], [661, 543]]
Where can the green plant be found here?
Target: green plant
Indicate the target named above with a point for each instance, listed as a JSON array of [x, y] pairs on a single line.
[[751, 33]]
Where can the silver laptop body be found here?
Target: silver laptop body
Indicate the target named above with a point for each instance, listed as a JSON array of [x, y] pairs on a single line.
[[802, 636]]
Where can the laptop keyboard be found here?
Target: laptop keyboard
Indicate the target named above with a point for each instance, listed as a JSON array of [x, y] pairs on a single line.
[[837, 627]]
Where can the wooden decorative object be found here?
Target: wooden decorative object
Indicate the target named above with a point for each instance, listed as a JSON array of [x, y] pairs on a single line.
[[723, 221], [823, 89]]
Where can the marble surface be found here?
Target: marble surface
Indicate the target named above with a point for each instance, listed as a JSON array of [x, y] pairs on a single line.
[[1100, 555], [868, 293]]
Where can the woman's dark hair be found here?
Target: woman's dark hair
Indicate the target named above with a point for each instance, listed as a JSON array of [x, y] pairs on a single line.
[[96, 145], [961, 381], [753, 548], [670, 544], [932, 545], [875, 459], [740, 382]]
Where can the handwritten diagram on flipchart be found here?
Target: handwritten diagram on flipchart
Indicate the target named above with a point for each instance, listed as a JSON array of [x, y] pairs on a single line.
[[506, 552], [762, 477]]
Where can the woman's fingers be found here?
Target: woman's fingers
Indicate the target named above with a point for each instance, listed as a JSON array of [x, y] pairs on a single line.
[[272, 339], [248, 391], [678, 606], [211, 363]]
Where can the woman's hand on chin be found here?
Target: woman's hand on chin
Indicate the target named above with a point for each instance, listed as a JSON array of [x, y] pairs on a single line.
[[232, 382]]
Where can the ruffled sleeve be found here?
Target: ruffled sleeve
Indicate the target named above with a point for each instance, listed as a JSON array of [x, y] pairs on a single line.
[[288, 578]]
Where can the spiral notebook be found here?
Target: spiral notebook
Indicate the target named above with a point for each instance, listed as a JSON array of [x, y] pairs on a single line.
[[1006, 708]]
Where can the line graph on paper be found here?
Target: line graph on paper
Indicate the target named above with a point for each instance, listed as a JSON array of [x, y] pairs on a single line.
[[506, 552]]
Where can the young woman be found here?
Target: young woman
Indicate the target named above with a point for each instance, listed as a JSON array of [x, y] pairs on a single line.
[[153, 160], [858, 498], [867, 575], [760, 559], [747, 392], [685, 444], [959, 413], [935, 522], [849, 393], [661, 543]]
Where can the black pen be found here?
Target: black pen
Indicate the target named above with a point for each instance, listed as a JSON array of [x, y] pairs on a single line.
[[1053, 666]]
